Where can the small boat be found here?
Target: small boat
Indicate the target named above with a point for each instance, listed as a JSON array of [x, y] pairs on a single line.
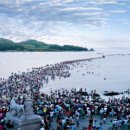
[[111, 93]]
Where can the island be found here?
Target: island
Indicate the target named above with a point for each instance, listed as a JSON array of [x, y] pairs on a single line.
[[34, 45]]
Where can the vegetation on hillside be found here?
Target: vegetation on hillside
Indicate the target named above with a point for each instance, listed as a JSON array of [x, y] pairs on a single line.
[[33, 45]]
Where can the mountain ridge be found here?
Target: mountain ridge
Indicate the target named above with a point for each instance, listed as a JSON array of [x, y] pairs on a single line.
[[34, 45]]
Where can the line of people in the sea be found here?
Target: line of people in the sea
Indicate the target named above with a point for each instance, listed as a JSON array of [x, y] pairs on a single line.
[[67, 106], [24, 83], [32, 81]]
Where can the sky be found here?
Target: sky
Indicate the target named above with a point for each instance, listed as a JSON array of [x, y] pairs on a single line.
[[87, 23]]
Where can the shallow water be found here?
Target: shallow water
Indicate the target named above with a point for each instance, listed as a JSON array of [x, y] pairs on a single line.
[[22, 61], [111, 74], [114, 68]]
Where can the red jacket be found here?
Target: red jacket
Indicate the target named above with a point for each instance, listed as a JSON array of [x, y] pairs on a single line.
[[1, 127], [90, 128]]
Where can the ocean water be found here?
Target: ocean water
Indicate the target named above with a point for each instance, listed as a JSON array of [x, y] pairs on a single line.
[[24, 61], [109, 73]]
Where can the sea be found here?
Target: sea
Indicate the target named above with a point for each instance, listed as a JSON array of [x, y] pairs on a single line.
[[111, 73]]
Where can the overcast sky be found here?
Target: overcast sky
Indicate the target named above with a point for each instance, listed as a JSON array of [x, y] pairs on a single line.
[[90, 23]]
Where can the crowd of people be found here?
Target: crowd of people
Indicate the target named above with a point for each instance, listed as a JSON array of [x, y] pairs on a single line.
[[70, 107], [30, 82], [65, 108]]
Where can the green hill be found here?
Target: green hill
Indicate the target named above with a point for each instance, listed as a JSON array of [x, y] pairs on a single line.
[[6, 44], [34, 45]]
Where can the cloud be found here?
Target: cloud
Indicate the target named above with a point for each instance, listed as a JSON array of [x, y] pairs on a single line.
[[122, 21], [68, 1], [118, 11], [82, 9], [107, 1], [59, 19], [90, 13], [101, 2]]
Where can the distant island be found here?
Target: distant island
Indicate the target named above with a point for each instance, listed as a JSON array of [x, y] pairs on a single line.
[[34, 45]]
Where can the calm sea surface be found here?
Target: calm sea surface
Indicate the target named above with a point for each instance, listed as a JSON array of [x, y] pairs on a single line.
[[115, 69]]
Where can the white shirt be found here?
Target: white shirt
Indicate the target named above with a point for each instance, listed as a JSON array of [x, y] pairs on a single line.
[[42, 129]]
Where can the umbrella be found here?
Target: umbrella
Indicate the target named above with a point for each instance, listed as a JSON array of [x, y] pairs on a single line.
[[59, 108]]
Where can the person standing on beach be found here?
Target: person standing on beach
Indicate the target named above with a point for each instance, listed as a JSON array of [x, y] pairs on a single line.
[[9, 125], [100, 127], [89, 127], [91, 121], [95, 125]]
